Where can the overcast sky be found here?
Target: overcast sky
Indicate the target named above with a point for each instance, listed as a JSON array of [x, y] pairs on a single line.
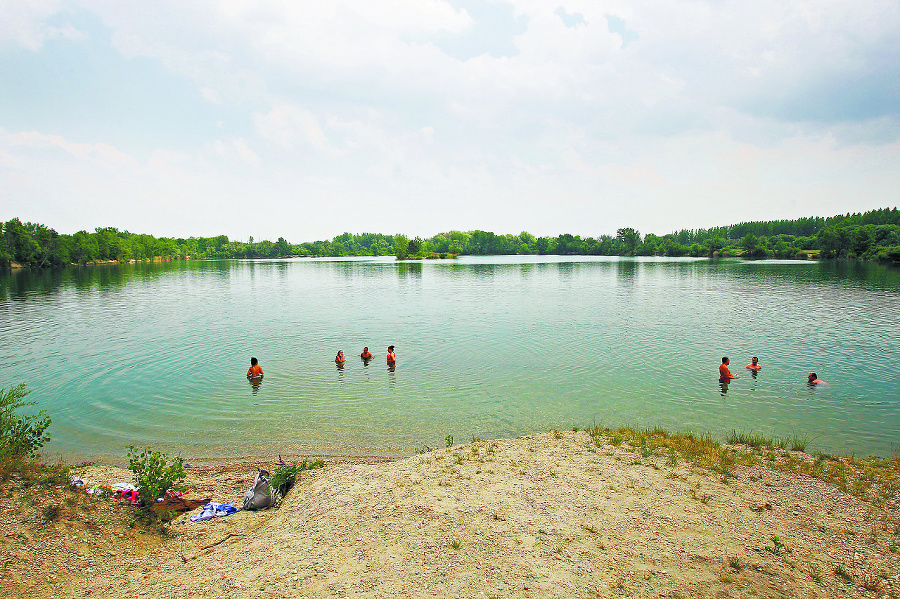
[[308, 119]]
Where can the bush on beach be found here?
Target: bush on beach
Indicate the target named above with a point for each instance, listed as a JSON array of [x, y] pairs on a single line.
[[20, 435], [284, 476], [153, 475]]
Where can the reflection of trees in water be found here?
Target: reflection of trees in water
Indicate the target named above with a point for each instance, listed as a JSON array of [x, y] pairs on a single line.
[[21, 282], [626, 269], [406, 270]]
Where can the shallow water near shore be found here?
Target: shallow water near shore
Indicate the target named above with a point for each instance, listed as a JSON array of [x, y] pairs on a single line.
[[155, 354]]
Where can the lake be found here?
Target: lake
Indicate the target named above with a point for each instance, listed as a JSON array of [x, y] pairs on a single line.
[[155, 354]]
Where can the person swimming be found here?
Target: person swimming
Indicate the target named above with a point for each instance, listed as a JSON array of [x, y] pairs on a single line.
[[255, 371], [339, 358], [366, 354], [754, 364], [813, 379], [391, 356], [724, 373]]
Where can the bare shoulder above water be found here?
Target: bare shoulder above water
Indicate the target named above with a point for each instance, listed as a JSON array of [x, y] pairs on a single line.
[[559, 514]]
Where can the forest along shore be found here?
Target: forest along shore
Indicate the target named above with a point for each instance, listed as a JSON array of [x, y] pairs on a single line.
[[558, 514]]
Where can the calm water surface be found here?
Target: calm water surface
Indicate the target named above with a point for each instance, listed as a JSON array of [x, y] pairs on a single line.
[[155, 354]]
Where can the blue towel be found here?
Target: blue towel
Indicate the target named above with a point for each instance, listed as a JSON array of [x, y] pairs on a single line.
[[214, 510]]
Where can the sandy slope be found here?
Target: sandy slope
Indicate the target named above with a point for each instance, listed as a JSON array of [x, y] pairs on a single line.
[[547, 515]]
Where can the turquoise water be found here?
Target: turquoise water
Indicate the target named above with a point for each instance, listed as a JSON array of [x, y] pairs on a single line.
[[155, 354]]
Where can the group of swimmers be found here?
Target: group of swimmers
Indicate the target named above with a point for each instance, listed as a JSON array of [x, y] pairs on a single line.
[[366, 355], [725, 375], [255, 373]]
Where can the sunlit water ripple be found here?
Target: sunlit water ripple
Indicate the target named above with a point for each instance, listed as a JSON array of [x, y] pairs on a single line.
[[154, 354]]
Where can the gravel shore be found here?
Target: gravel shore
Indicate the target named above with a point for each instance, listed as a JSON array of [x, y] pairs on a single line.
[[547, 515]]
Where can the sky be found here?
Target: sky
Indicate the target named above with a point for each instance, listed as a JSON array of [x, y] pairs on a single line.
[[305, 120]]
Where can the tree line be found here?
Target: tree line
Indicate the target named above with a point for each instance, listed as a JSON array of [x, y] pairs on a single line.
[[873, 235]]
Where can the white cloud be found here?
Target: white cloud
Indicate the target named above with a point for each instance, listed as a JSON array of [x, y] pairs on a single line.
[[23, 23], [712, 113], [291, 127]]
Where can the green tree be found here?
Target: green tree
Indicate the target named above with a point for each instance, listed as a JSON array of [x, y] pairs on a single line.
[[752, 246], [414, 247], [401, 247], [84, 247], [630, 239], [567, 244], [715, 244]]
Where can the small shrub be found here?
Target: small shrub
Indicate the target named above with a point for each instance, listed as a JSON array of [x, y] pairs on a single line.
[[20, 435], [50, 513], [153, 476], [449, 440], [284, 477]]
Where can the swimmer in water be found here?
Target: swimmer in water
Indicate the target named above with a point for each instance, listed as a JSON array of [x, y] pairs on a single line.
[[754, 364], [339, 358], [724, 373], [391, 356], [366, 354], [256, 371], [813, 379]]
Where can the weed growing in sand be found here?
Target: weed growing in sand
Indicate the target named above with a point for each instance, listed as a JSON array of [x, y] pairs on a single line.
[[814, 573], [778, 547], [284, 476], [840, 572], [672, 460], [701, 497], [750, 439], [455, 544], [50, 513], [449, 440], [735, 564]]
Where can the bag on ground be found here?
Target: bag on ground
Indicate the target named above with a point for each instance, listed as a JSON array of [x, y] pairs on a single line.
[[260, 494]]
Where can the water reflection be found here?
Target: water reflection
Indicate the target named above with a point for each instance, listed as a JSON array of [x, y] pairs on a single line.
[[135, 319], [407, 270], [626, 271]]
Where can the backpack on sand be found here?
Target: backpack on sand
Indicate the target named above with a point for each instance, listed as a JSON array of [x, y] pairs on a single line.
[[260, 494]]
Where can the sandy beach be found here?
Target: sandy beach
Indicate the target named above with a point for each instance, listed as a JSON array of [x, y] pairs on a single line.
[[558, 514]]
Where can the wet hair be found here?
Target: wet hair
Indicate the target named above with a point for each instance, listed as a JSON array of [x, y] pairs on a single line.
[[253, 361], [366, 348], [813, 375], [724, 359], [390, 348], [755, 358]]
